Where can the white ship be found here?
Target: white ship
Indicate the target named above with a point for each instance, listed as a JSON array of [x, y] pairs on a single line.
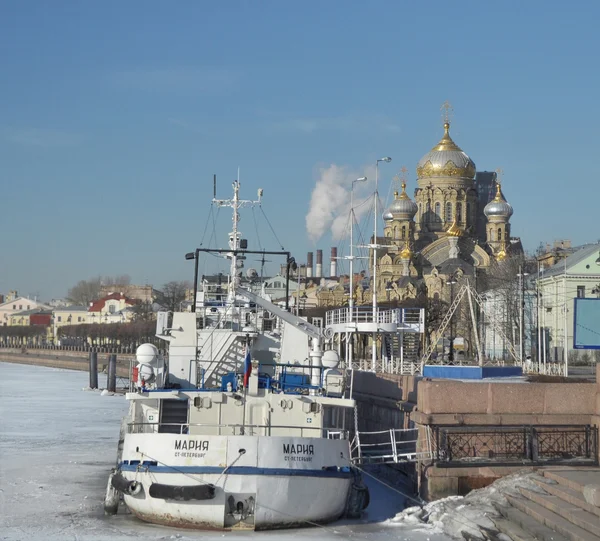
[[238, 427]]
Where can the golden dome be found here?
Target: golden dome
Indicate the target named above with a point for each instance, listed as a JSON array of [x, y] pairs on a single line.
[[446, 159], [406, 253], [454, 230]]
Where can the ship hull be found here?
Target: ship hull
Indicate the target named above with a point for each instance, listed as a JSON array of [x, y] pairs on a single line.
[[276, 482]]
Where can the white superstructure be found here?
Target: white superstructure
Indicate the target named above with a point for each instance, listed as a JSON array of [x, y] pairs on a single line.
[[242, 425]]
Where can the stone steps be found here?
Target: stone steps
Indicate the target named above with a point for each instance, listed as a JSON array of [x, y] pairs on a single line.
[[558, 512], [550, 519], [568, 511], [519, 526], [569, 495]]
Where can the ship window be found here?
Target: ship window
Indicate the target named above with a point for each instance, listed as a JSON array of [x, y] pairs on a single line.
[[448, 212]]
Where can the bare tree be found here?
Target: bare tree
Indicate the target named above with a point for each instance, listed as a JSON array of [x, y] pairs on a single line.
[[118, 280], [142, 311], [85, 291], [173, 294]]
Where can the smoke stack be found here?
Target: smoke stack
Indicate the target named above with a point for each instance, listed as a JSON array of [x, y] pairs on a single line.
[[319, 272], [333, 266], [309, 265]]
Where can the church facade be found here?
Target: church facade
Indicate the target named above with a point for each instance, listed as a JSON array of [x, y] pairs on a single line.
[[458, 225]]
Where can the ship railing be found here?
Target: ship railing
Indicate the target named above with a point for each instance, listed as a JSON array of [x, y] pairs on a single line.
[[390, 446], [364, 314], [236, 430]]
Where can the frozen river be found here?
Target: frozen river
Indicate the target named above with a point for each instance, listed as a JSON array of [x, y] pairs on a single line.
[[57, 445]]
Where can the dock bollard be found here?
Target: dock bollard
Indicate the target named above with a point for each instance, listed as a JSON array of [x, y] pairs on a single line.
[[93, 369], [112, 373]]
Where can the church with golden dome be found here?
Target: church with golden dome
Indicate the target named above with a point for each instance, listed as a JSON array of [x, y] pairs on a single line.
[[457, 225]]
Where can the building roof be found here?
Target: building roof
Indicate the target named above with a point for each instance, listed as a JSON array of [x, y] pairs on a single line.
[[72, 308], [32, 312], [572, 260], [97, 306]]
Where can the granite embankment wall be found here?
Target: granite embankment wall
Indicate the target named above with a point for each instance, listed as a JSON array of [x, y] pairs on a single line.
[[70, 360]]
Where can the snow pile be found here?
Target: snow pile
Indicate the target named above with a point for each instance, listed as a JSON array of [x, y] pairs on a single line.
[[471, 516]]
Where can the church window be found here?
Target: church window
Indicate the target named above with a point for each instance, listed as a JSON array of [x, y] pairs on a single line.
[[499, 233], [468, 215], [428, 212], [438, 212], [448, 211], [459, 217], [491, 234], [403, 231]]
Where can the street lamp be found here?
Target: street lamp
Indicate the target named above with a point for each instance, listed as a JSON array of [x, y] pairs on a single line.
[[521, 276], [387, 159], [451, 281]]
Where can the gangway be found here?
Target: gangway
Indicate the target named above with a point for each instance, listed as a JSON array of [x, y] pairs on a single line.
[[311, 330], [393, 446]]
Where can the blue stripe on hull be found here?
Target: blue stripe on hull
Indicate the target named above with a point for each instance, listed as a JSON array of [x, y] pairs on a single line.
[[238, 470]]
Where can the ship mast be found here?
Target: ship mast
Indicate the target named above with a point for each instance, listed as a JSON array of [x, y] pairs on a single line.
[[235, 236]]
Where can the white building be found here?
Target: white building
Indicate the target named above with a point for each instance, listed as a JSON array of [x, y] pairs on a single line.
[[18, 304], [576, 276]]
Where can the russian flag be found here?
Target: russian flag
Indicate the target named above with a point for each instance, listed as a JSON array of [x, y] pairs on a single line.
[[247, 367]]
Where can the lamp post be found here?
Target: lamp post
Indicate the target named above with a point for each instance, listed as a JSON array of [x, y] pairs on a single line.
[[521, 276], [451, 281], [387, 159]]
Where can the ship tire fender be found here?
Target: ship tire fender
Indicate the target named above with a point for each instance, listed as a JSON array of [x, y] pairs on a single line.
[[131, 488], [111, 498]]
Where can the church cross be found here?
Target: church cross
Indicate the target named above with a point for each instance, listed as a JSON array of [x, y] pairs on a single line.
[[447, 111]]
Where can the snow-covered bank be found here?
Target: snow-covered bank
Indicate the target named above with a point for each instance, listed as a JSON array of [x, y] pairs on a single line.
[[470, 516], [57, 445]]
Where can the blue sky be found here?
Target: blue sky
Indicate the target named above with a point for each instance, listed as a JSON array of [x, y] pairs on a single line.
[[115, 115]]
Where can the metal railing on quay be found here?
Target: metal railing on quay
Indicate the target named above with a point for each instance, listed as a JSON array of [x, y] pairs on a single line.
[[541, 444]]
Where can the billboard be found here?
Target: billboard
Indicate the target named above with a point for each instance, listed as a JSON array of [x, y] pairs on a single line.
[[586, 323]]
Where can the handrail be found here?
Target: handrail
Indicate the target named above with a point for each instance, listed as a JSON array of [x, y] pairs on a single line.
[[329, 433]]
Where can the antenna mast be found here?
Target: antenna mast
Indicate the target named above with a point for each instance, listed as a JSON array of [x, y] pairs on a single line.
[[234, 237]]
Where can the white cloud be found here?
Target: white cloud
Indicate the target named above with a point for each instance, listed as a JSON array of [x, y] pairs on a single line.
[[330, 200]]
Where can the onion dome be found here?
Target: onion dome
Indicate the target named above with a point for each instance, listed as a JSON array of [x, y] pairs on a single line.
[[402, 207], [446, 159], [454, 230], [498, 209]]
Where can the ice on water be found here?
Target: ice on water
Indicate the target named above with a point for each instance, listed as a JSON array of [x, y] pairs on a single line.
[[57, 444]]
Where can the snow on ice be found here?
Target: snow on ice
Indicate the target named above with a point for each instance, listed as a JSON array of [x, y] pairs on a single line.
[[58, 441]]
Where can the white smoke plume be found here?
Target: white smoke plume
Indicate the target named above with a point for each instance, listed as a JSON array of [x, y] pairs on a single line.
[[330, 200]]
